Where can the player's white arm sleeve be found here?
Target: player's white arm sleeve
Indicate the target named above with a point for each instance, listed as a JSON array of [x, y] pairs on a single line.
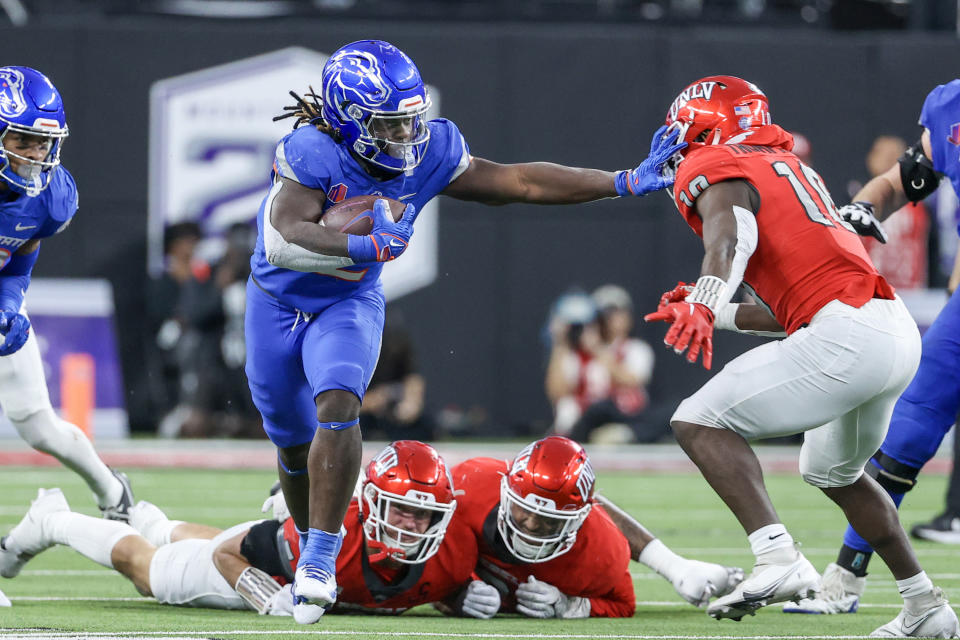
[[694, 581], [257, 589], [281, 253], [716, 293]]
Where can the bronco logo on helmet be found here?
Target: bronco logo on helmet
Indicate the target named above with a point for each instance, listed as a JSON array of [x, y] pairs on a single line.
[[12, 103], [357, 75]]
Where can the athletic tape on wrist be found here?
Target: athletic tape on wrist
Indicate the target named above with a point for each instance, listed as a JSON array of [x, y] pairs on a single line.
[[726, 317]]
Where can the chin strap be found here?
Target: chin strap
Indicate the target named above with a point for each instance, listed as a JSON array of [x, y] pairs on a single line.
[[381, 552]]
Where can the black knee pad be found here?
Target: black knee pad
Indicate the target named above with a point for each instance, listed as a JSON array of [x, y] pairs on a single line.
[[892, 475]]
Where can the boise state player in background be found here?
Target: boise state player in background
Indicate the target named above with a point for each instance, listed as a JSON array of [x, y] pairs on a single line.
[[38, 198], [315, 304], [927, 409]]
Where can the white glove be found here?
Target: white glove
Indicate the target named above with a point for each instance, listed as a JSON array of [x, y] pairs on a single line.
[[697, 582], [281, 603], [861, 218], [541, 600], [276, 504], [481, 601]]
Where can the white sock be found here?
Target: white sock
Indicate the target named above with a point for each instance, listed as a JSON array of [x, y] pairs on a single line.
[[46, 432], [158, 532], [661, 559], [91, 537], [772, 544], [152, 523], [914, 589]]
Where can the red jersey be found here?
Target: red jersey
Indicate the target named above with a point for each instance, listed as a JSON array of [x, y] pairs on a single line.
[[595, 567], [806, 255], [370, 588]]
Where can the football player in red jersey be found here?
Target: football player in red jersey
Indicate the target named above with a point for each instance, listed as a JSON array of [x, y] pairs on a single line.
[[548, 550], [851, 347], [400, 548]]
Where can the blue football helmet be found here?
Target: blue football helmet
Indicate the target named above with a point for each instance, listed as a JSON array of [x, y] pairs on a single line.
[[30, 110], [374, 97]]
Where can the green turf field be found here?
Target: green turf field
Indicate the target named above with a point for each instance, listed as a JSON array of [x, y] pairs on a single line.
[[61, 594]]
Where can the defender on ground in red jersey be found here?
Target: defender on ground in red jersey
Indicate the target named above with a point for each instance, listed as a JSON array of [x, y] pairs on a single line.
[[549, 550], [768, 222], [401, 548]]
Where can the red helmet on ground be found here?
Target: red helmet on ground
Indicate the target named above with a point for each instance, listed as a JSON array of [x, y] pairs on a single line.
[[544, 498], [407, 477], [715, 110]]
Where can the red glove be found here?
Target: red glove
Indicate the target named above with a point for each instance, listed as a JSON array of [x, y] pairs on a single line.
[[691, 326], [678, 294]]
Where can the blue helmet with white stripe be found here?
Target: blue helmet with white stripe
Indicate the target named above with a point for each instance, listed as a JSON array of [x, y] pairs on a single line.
[[32, 129], [374, 98]]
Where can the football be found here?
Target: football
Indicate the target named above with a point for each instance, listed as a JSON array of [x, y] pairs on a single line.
[[353, 214]]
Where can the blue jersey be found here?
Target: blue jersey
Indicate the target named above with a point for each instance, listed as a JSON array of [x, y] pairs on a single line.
[[315, 160], [941, 116], [24, 218]]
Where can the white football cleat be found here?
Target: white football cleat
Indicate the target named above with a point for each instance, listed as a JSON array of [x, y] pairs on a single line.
[[314, 591], [4, 600], [840, 592], [27, 539], [934, 619], [767, 584]]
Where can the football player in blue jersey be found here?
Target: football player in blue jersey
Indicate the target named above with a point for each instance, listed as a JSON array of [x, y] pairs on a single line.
[[927, 409], [315, 304], [38, 198]]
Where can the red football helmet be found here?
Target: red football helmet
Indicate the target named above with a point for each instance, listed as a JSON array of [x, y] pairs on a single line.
[[405, 482], [716, 110], [544, 499]]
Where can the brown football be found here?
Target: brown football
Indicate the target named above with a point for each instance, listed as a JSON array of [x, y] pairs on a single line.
[[354, 215]]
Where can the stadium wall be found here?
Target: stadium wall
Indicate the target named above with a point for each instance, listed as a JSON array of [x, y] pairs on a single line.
[[585, 95]]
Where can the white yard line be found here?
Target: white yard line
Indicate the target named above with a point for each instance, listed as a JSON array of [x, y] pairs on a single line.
[[640, 603], [650, 575]]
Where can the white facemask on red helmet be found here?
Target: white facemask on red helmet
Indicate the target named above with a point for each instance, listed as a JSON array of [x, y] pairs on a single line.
[[716, 110], [545, 498], [407, 476]]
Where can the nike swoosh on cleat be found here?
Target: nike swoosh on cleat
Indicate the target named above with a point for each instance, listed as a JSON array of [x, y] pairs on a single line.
[[768, 590], [909, 628]]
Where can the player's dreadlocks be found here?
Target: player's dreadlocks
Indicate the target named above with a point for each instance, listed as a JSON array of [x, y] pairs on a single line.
[[309, 113]]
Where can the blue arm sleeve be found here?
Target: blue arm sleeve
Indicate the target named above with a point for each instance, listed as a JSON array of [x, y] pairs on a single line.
[[14, 280]]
